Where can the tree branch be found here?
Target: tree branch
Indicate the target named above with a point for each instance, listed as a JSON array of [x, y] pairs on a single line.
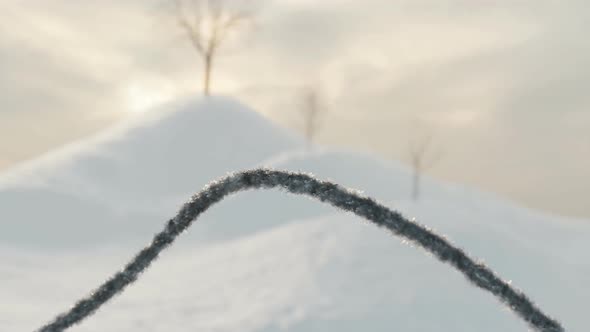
[[192, 30]]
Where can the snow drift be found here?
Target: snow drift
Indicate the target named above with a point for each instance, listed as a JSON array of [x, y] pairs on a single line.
[[119, 187], [263, 261]]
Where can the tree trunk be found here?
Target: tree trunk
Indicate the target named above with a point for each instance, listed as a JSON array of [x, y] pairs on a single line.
[[416, 185], [309, 132], [207, 74]]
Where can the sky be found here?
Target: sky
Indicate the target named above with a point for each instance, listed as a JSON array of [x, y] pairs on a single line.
[[501, 86]]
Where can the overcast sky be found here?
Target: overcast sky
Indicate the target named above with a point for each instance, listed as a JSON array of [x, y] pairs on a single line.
[[502, 85]]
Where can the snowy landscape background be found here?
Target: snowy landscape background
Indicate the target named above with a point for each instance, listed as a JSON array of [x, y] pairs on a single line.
[[263, 261], [469, 117]]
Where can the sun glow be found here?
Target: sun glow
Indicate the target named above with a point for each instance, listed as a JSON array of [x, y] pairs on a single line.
[[141, 98]]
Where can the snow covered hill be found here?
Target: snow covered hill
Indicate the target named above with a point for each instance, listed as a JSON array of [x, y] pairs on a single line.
[[263, 261], [121, 185]]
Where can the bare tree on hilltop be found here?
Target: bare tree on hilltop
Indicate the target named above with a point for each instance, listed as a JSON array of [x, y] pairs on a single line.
[[422, 157], [207, 24], [312, 110]]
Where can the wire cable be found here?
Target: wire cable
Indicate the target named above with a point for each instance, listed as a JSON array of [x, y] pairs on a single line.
[[299, 183]]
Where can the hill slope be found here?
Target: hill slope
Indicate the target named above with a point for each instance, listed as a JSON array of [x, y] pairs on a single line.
[[263, 261], [120, 186]]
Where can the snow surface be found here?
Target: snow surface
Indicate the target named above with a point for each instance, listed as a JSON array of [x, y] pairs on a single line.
[[263, 261]]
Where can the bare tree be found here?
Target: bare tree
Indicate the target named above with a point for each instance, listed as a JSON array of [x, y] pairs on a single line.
[[422, 157], [311, 111], [207, 24]]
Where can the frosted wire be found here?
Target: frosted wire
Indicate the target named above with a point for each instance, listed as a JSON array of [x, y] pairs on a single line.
[[333, 194]]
